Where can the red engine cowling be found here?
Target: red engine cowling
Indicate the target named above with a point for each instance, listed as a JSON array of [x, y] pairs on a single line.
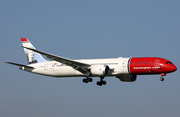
[[100, 70], [127, 78]]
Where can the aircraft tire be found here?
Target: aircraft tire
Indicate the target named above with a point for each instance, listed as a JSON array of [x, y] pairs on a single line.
[[85, 80], [99, 83], [161, 79], [104, 82], [90, 79]]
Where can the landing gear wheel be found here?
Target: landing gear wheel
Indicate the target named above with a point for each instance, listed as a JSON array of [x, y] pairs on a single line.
[[85, 80], [99, 83], [161, 79], [103, 82], [89, 79]]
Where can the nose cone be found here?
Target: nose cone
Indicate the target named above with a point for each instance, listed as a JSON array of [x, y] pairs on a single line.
[[174, 68]]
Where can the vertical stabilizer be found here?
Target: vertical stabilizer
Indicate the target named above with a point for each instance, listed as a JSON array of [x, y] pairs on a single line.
[[32, 57]]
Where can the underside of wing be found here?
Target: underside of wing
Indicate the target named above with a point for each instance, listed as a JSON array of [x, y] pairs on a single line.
[[81, 67]]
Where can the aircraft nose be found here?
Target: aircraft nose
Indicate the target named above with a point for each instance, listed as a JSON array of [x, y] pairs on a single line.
[[174, 68]]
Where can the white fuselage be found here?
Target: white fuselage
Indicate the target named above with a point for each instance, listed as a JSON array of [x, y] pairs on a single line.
[[118, 66], [126, 69]]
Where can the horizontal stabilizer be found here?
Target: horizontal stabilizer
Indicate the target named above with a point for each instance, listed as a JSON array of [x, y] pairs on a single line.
[[19, 65]]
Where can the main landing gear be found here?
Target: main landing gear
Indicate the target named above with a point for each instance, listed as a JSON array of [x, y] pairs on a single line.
[[101, 82], [86, 80]]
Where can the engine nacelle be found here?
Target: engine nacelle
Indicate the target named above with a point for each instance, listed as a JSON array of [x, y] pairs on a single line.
[[100, 70], [127, 78]]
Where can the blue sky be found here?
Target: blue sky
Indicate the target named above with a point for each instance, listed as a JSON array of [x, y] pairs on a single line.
[[89, 29]]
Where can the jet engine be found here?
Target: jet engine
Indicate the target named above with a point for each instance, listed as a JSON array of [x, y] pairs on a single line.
[[127, 78], [100, 70]]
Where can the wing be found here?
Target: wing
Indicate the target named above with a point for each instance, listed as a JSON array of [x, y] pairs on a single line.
[[81, 67]]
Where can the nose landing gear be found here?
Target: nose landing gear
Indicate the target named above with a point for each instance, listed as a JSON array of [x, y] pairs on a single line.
[[161, 79], [162, 74]]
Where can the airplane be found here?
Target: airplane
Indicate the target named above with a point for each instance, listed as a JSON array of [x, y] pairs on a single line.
[[125, 69]]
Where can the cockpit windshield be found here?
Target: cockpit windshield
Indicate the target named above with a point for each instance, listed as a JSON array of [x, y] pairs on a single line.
[[168, 62]]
